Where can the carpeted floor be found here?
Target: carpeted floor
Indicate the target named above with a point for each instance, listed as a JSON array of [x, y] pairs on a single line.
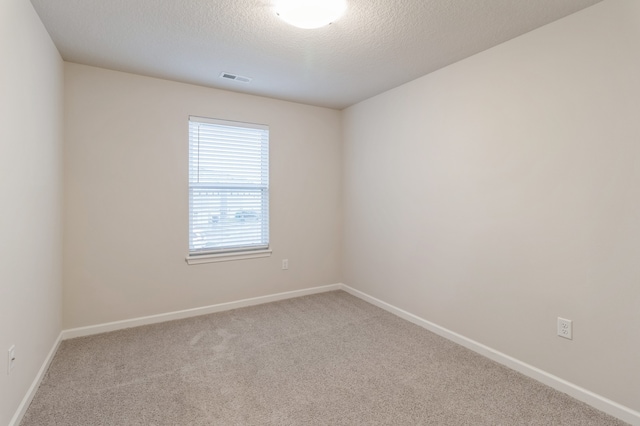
[[326, 359]]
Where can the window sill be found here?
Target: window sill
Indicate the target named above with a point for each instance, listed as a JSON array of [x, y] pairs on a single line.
[[226, 257]]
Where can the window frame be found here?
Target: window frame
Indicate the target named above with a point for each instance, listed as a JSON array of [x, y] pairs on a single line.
[[232, 252]]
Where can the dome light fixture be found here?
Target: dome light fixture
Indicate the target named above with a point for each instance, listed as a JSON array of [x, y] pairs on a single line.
[[309, 14]]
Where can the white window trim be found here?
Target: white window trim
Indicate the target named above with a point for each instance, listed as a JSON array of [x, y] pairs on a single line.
[[198, 259]]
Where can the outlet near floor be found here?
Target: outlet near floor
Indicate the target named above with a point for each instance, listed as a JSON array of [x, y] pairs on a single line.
[[11, 358], [565, 328]]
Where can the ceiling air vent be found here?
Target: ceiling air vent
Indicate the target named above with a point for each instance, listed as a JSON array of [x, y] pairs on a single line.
[[234, 77]]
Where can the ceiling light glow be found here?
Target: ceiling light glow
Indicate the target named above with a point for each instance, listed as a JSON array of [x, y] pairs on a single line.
[[310, 14]]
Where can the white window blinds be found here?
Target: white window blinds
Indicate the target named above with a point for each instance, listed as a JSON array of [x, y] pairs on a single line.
[[228, 186]]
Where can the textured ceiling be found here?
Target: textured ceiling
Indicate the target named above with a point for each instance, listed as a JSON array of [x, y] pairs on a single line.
[[375, 46]]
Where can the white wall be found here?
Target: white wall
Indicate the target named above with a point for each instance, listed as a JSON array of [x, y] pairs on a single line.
[[503, 191], [31, 85], [127, 201]]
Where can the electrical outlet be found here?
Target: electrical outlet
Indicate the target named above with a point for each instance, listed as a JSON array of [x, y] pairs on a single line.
[[285, 263], [11, 358], [565, 328]]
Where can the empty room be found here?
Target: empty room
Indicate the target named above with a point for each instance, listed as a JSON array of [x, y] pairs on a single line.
[[339, 212]]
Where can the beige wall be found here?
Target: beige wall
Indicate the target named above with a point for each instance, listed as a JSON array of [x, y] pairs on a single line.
[[503, 191], [126, 197], [30, 198]]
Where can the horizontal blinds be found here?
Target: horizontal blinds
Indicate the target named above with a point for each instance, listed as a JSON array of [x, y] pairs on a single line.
[[228, 186]]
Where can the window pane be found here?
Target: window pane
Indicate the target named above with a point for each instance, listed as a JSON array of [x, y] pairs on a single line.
[[228, 186]]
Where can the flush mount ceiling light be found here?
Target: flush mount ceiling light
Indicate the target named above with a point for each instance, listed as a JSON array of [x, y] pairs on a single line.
[[310, 14]]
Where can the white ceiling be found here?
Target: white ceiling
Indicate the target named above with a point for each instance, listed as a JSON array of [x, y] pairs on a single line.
[[375, 46]]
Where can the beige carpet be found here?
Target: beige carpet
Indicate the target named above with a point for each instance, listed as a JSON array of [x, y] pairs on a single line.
[[327, 359]]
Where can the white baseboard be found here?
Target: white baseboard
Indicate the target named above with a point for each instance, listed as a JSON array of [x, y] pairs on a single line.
[[31, 392], [187, 313], [597, 401]]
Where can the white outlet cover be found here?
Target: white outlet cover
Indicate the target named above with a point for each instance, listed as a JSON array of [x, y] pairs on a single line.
[[11, 357], [565, 328]]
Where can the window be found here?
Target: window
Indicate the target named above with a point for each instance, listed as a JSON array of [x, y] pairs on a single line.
[[228, 188]]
